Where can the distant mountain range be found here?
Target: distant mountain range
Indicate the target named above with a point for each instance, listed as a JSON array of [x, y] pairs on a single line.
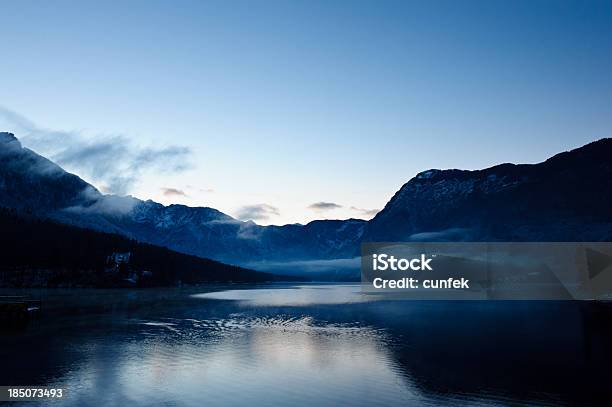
[[566, 198]]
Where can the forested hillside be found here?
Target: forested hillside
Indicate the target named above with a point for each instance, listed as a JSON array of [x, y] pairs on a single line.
[[39, 252]]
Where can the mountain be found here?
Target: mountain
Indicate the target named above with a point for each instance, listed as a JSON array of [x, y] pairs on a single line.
[[210, 233], [32, 183], [43, 253], [35, 185], [566, 198]]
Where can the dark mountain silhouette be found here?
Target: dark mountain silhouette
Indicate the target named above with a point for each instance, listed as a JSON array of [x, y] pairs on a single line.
[[566, 198], [30, 182], [39, 252]]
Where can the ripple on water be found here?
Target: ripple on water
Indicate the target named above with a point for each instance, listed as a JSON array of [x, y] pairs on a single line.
[[238, 323]]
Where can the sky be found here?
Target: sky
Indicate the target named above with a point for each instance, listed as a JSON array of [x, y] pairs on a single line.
[[289, 111]]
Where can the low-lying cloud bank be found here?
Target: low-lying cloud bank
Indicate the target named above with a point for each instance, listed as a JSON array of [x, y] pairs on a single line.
[[335, 269]]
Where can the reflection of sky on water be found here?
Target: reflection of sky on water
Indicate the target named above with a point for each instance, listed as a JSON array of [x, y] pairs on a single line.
[[320, 345], [263, 361], [294, 296]]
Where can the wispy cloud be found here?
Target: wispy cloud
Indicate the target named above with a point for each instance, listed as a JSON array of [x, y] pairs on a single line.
[[106, 204], [113, 163], [365, 212], [324, 206], [257, 212], [172, 192]]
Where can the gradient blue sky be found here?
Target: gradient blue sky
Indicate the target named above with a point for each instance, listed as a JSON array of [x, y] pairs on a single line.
[[288, 103]]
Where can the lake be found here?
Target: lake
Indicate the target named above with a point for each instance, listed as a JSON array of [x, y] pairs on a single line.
[[306, 345]]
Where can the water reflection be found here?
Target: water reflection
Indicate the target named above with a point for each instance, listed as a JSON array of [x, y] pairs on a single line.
[[292, 296], [298, 346]]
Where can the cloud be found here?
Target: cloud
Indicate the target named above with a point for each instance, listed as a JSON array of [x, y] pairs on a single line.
[[113, 163], [173, 192], [97, 203], [365, 212], [15, 119], [324, 206], [257, 212], [249, 231]]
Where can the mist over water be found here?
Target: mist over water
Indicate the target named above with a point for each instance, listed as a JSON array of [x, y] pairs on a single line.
[[322, 345]]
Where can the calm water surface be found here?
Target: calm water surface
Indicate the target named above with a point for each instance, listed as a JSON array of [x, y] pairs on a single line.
[[321, 345]]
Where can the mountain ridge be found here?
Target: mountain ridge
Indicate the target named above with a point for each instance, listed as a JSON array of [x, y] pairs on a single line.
[[505, 196], [566, 197], [200, 231]]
